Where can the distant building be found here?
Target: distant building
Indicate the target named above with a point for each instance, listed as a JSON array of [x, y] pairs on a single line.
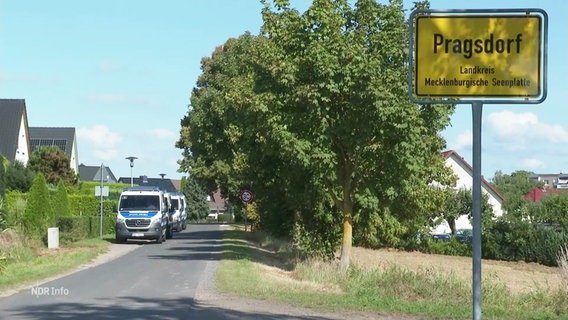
[[218, 204], [64, 138], [551, 180], [93, 173], [162, 183], [14, 131]]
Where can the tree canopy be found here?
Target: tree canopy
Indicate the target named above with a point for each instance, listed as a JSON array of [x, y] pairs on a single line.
[[313, 115], [54, 164]]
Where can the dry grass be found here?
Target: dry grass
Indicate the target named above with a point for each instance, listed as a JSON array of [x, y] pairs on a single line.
[[563, 264], [518, 277]]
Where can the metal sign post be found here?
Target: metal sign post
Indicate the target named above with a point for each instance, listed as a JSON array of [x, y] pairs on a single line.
[[478, 56], [246, 197]]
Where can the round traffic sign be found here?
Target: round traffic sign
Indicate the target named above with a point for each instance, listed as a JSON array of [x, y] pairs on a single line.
[[246, 196]]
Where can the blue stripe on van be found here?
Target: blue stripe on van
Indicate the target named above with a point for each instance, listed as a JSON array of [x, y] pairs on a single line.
[[128, 214]]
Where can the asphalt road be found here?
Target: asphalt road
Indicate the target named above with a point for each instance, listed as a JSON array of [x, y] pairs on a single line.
[[172, 280]]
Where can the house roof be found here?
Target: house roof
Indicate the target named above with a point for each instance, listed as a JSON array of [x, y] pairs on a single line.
[[536, 194], [63, 138], [163, 184], [11, 113], [93, 173], [454, 155], [217, 202]]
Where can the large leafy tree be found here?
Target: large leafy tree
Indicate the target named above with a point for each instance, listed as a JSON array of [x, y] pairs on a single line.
[[54, 164], [314, 115], [514, 187]]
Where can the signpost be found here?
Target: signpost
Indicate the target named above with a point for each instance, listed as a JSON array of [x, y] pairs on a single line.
[[246, 197], [478, 56], [101, 191]]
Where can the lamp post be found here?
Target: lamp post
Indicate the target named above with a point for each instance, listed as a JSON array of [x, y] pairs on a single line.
[[131, 166]]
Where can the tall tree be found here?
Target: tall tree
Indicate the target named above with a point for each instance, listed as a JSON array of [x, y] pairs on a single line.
[[61, 200], [314, 115], [196, 198], [514, 187], [54, 164], [38, 214]]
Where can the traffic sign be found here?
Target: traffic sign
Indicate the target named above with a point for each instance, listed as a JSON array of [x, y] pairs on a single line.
[[246, 196], [482, 54]]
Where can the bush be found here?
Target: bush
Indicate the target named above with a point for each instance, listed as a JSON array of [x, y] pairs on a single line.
[[38, 213], [562, 261], [523, 241], [225, 217], [451, 247], [73, 229]]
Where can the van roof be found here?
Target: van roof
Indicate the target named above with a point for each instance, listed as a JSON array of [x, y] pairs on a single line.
[[141, 188]]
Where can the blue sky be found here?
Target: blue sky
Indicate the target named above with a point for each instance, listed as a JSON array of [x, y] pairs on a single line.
[[121, 73]]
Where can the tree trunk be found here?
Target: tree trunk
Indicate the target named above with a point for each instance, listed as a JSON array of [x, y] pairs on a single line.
[[347, 238], [452, 224]]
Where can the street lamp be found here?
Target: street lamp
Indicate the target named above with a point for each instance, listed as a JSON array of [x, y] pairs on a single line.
[[131, 166]]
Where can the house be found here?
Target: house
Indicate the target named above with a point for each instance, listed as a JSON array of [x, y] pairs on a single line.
[[464, 173], [14, 131], [218, 204], [64, 138], [551, 180], [93, 173], [163, 184]]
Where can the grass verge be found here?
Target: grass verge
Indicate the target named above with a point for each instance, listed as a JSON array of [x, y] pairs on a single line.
[[254, 269], [26, 262]]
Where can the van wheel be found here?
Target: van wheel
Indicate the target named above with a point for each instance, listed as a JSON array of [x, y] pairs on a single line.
[[118, 239]]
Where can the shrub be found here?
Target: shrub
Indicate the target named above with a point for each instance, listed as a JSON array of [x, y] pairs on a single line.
[[61, 200], [73, 229], [523, 241], [562, 261], [38, 213], [225, 217], [451, 247]]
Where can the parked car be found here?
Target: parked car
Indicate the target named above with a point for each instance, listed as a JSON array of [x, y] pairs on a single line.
[[464, 234], [442, 236]]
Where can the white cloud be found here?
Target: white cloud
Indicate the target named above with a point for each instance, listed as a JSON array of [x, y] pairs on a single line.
[[523, 127], [162, 133], [100, 140], [463, 140], [530, 164]]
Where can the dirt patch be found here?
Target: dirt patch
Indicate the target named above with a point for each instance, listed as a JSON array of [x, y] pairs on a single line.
[[517, 276]]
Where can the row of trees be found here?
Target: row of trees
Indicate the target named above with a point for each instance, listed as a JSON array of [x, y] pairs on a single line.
[[313, 115]]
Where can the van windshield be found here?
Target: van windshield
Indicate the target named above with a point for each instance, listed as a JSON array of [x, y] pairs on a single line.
[[175, 204], [139, 203]]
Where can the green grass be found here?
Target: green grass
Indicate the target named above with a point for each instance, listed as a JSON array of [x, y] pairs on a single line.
[[26, 261], [321, 285]]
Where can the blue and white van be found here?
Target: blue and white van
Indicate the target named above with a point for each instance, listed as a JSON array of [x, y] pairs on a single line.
[[143, 213], [179, 214]]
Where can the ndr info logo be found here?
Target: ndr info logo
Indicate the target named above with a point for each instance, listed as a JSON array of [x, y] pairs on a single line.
[[49, 291]]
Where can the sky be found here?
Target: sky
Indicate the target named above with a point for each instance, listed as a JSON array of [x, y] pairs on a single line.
[[122, 72]]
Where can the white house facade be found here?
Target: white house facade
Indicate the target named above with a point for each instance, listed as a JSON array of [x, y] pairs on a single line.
[[464, 173]]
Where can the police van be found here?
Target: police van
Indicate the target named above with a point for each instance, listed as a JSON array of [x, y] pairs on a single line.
[[143, 213], [179, 213]]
